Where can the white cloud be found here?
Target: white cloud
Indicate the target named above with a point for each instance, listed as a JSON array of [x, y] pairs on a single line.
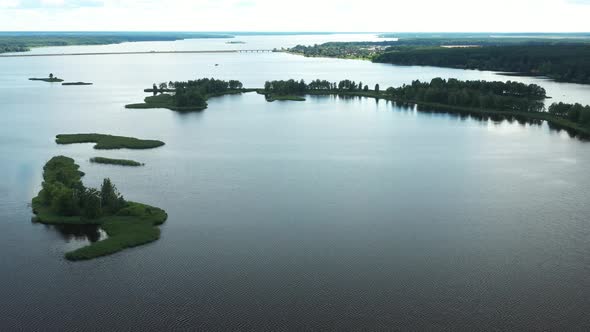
[[305, 15]]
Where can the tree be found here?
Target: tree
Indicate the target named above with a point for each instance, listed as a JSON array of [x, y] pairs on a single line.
[[163, 86], [91, 203], [377, 88], [112, 201], [366, 88], [155, 87], [50, 75]]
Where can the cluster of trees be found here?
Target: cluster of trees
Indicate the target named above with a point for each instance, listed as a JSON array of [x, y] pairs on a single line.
[[293, 87], [573, 112], [196, 92], [64, 194], [508, 96], [562, 62]]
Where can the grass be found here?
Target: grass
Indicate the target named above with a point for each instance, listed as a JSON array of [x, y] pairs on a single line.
[[46, 79], [109, 161], [272, 98], [108, 142], [132, 226], [76, 83]]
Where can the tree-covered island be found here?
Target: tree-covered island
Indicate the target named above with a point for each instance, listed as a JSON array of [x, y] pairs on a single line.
[[189, 95], [64, 200]]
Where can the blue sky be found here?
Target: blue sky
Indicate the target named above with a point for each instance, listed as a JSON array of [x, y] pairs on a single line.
[[301, 15]]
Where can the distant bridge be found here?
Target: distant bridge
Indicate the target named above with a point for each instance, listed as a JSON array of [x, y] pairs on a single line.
[[140, 52]]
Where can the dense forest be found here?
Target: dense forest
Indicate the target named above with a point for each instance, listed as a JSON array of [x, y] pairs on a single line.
[[65, 195], [562, 60], [570, 63]]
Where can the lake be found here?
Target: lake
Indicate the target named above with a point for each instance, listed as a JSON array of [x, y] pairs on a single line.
[[333, 213]]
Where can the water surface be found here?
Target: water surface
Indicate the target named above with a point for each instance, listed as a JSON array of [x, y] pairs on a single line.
[[328, 214]]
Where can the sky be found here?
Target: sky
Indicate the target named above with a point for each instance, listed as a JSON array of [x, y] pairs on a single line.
[[300, 15]]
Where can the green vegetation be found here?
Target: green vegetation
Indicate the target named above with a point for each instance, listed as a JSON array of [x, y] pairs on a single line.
[[568, 63], [76, 83], [564, 59], [188, 96], [506, 99], [63, 199], [109, 161], [50, 79], [108, 142], [24, 41]]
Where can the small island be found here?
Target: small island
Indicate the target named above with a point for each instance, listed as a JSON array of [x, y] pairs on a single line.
[[49, 79], [108, 142], [188, 96], [76, 83], [235, 42], [120, 162], [64, 200]]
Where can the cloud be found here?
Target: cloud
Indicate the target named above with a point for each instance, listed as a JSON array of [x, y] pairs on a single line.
[[306, 15]]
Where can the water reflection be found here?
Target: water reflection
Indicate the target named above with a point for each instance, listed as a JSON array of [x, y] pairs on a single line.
[[77, 233]]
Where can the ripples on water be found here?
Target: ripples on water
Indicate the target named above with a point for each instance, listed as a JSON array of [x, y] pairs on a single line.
[[326, 214]]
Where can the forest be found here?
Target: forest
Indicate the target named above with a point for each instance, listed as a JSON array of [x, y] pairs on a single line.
[[562, 60], [565, 62]]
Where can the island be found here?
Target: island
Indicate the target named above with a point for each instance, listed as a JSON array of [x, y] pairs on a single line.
[[64, 200], [120, 162], [108, 142], [49, 79], [188, 96], [235, 42], [76, 83]]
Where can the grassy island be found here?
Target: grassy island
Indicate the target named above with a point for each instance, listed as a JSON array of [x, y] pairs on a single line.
[[63, 199], [121, 162], [188, 96], [47, 79], [76, 83], [108, 142]]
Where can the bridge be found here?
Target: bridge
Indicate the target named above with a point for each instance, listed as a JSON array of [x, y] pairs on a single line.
[[137, 52]]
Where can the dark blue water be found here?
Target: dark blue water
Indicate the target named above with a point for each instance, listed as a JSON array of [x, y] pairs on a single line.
[[338, 214]]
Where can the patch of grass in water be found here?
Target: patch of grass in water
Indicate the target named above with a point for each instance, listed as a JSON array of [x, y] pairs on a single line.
[[108, 142]]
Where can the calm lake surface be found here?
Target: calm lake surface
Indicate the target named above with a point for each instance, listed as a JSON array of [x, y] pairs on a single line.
[[331, 213]]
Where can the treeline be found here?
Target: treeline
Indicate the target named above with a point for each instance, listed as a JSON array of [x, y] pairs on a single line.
[[504, 96], [65, 195], [24, 41], [573, 112], [293, 87], [196, 92], [562, 62]]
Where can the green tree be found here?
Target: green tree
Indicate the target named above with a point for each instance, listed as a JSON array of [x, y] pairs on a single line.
[[377, 88]]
